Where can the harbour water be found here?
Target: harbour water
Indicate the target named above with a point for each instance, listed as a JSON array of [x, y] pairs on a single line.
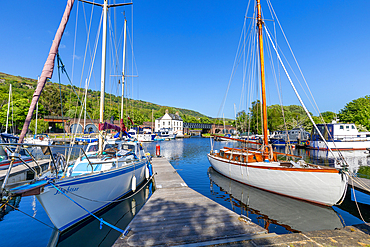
[[278, 214]]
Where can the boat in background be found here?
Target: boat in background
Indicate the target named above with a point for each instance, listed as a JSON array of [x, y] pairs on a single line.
[[165, 133], [297, 136], [339, 136], [39, 139], [262, 167], [141, 134], [5, 152]]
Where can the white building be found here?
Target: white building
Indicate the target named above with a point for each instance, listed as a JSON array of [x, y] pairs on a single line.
[[171, 122]]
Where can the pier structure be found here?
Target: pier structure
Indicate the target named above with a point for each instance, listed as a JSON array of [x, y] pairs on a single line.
[[21, 173], [177, 215]]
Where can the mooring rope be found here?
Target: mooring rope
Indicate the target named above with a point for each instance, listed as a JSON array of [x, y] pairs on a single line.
[[358, 209], [118, 200], [100, 219]]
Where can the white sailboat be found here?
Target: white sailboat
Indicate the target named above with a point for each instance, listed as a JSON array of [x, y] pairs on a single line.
[[107, 171], [261, 167], [40, 139]]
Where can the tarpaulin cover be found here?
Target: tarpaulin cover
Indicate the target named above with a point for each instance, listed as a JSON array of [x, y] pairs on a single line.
[[106, 126]]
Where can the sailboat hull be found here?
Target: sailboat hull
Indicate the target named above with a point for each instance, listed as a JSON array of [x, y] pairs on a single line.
[[321, 186], [97, 190]]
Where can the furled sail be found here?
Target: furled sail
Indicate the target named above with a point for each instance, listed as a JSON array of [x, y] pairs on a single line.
[[47, 71]]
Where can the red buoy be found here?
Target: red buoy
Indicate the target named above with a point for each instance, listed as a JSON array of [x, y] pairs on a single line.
[[157, 150]]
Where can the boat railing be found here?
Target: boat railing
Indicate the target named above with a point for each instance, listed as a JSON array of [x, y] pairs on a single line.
[[357, 137]]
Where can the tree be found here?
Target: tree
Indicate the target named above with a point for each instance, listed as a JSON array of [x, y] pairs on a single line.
[[42, 126], [20, 110], [357, 111]]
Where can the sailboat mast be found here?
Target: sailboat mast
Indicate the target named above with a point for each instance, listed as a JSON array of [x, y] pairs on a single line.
[[262, 64], [103, 66], [123, 67], [7, 114]]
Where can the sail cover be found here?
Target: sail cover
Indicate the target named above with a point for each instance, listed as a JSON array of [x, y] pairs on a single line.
[[47, 71], [105, 126]]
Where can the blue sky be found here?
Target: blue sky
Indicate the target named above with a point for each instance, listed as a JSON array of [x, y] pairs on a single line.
[[184, 50]]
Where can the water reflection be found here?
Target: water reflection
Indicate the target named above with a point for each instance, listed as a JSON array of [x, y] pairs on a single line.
[[88, 233], [14, 202], [293, 215]]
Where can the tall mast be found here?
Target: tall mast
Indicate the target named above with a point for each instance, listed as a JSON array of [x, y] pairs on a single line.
[[102, 75], [103, 65], [123, 66], [262, 64], [7, 114]]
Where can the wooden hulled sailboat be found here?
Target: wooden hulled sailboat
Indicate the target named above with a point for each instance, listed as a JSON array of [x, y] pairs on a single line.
[[261, 168]]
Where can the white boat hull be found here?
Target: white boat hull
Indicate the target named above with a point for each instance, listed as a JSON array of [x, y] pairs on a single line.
[[102, 187], [324, 188], [340, 145]]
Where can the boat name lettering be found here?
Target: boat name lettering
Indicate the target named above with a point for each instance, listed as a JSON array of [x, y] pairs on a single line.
[[69, 189]]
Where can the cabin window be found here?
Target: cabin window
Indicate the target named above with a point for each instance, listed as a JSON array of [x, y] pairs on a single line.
[[236, 158], [341, 127], [92, 148], [353, 127], [347, 127]]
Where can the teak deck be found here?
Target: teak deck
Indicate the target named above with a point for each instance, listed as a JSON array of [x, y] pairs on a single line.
[[178, 215]]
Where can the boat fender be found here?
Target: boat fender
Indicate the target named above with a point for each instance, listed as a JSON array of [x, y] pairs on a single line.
[[133, 183], [146, 172]]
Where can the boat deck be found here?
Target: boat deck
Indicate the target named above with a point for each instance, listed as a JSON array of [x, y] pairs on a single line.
[[178, 215]]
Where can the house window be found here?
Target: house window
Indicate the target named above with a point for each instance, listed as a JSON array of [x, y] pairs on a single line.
[[164, 123], [169, 123]]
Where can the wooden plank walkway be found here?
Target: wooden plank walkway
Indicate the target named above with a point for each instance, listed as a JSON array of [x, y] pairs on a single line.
[[177, 215]]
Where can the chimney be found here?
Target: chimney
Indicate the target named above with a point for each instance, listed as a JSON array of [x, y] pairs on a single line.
[[166, 110], [177, 113]]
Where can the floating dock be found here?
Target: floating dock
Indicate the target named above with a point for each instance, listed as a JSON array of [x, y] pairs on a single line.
[[177, 215], [21, 173]]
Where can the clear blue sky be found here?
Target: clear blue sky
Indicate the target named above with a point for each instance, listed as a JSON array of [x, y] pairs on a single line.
[[184, 50]]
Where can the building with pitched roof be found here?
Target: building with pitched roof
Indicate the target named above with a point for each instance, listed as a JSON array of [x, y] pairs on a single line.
[[171, 122]]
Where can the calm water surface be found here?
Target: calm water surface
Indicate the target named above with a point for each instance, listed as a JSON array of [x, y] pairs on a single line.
[[276, 213]]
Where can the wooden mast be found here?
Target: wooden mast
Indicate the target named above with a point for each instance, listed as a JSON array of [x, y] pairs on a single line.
[[262, 64]]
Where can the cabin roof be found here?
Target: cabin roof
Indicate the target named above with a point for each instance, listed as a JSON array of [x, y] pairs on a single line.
[[172, 116]]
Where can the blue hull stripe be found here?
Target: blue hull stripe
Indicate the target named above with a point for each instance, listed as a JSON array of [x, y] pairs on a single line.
[[98, 177]]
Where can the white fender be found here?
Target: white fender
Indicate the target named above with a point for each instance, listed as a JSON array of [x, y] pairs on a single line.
[[147, 172], [133, 183]]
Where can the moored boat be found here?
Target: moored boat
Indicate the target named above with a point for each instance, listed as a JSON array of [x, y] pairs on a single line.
[[263, 168], [339, 136], [108, 170]]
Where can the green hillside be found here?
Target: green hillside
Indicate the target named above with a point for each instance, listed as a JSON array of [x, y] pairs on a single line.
[[50, 103]]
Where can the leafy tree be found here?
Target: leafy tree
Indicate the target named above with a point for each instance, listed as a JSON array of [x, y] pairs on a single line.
[[357, 111], [42, 126], [20, 110]]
